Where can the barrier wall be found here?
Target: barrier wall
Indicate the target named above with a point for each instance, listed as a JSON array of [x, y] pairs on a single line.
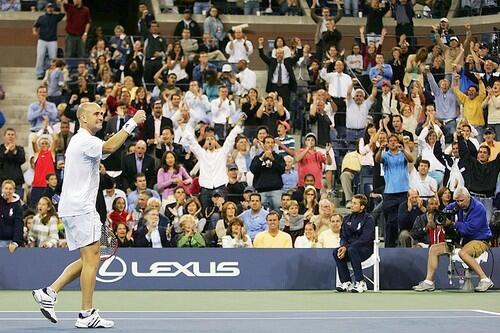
[[217, 269]]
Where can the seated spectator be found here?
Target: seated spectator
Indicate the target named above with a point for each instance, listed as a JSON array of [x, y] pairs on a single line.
[[11, 217], [193, 207], [422, 181], [176, 209], [53, 189], [292, 222], [356, 245], [290, 177], [123, 235], [43, 232], [140, 207], [151, 235], [171, 175], [309, 203], [227, 214], [56, 82], [236, 236], [12, 157], [407, 214], [110, 192], [273, 237], [330, 238], [326, 212], [489, 140], [64, 136], [425, 232], [118, 213], [254, 217], [309, 239], [190, 236]]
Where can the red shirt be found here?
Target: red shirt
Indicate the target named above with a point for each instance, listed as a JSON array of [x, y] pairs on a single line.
[[77, 19], [311, 163], [44, 165]]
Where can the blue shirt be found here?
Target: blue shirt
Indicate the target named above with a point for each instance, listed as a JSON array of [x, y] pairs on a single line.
[[446, 104], [290, 180], [472, 224], [36, 113], [132, 198], [254, 223], [395, 172]]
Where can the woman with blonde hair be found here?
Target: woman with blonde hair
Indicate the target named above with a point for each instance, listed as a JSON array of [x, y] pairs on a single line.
[[309, 206], [326, 211], [228, 212], [128, 83], [190, 236]]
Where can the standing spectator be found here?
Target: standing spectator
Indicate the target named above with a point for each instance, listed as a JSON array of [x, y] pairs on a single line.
[[421, 181], [489, 140], [356, 245], [382, 72], [239, 47], [273, 237], [374, 15], [311, 161], [321, 24], [10, 5], [492, 101], [145, 18], [255, 217], [12, 157], [351, 167], [472, 103], [351, 7], [330, 37], [395, 163], [154, 126], [188, 23], [44, 147], [246, 77], [268, 168], [41, 111], [214, 27], [138, 162], [45, 28], [280, 75], [155, 47], [11, 217], [403, 14], [223, 111], [77, 28]]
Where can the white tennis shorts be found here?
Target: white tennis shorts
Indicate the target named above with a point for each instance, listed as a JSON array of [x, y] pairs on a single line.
[[82, 230]]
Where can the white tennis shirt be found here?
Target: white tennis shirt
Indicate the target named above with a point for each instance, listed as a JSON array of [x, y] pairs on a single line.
[[81, 175]]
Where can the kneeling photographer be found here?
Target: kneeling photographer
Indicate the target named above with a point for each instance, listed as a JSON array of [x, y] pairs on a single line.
[[475, 234]]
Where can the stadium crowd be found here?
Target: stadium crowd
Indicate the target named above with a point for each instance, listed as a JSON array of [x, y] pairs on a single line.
[[216, 163]]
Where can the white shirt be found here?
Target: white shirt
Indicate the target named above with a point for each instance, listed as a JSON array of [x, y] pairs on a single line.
[[81, 174], [337, 82], [329, 240], [220, 112], [302, 242], [248, 80], [212, 163], [389, 104], [167, 112], [109, 199], [354, 61], [357, 115], [238, 51], [198, 106], [427, 152], [423, 186], [285, 76]]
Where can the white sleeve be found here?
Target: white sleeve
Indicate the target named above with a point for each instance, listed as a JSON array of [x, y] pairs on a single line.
[[93, 148]]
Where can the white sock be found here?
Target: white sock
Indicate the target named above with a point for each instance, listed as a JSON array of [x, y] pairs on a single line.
[[51, 292], [429, 281], [86, 313]]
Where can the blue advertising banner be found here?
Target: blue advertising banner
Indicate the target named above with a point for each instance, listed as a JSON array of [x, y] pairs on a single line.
[[219, 269]]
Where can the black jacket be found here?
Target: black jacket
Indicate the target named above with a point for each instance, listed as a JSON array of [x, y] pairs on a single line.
[[130, 170], [267, 174], [140, 239], [193, 27], [358, 229], [149, 127], [374, 18], [272, 63], [10, 165], [11, 220]]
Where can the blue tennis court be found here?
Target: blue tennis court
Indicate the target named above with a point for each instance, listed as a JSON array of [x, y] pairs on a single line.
[[268, 321]]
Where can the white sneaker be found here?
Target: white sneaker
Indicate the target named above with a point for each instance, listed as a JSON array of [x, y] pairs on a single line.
[[359, 287], [424, 286], [94, 320], [46, 303], [484, 285], [346, 286]]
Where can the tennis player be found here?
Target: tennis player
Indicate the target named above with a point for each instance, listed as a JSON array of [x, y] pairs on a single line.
[[78, 212]]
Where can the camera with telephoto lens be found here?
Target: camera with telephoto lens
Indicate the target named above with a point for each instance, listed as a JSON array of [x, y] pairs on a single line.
[[441, 216]]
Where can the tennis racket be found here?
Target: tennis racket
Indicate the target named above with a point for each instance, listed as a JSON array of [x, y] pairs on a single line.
[[109, 243]]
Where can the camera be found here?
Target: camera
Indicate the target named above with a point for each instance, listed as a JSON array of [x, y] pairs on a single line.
[[441, 216]]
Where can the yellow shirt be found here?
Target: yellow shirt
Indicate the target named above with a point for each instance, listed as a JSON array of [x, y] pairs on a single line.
[[473, 109], [329, 240], [495, 149], [264, 240], [351, 161]]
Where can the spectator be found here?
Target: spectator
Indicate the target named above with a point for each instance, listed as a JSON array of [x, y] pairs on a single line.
[[321, 24], [291, 221], [118, 213], [110, 192], [10, 5], [43, 232], [492, 102], [152, 235], [53, 189], [255, 217], [403, 14], [236, 236], [41, 111], [472, 103], [407, 214], [45, 28], [356, 245], [273, 237], [453, 51], [11, 217], [474, 229], [489, 140], [330, 238], [44, 147], [136, 163], [235, 187], [223, 112], [141, 184], [357, 111], [77, 28], [290, 176], [395, 162], [382, 72], [421, 180], [200, 70], [171, 175], [190, 236], [374, 15], [425, 232], [311, 161], [446, 103], [64, 136], [246, 78], [326, 210], [338, 85], [189, 45], [214, 27], [309, 239], [238, 48], [146, 18], [167, 144], [227, 214], [154, 126], [12, 157], [187, 23], [351, 167], [155, 49], [124, 235], [210, 46]]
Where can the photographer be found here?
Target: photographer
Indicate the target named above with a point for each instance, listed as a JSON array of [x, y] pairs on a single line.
[[472, 226]]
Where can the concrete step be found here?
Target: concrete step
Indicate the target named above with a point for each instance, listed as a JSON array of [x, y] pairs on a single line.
[[10, 101], [30, 70]]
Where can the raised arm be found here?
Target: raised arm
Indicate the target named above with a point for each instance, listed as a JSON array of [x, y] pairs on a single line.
[[116, 141]]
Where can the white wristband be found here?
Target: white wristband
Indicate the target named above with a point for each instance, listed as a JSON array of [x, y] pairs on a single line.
[[129, 126]]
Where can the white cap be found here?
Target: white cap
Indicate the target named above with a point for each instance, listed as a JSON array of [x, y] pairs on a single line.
[[227, 68]]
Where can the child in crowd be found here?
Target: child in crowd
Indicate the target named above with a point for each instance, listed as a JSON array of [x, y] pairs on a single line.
[[292, 222], [44, 231]]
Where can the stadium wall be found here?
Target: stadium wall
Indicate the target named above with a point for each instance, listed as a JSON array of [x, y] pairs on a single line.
[[224, 269]]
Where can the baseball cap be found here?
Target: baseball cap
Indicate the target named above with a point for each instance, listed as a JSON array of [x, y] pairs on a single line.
[[284, 123], [444, 19], [484, 46], [249, 189], [455, 38], [227, 68], [386, 83], [232, 166], [489, 130]]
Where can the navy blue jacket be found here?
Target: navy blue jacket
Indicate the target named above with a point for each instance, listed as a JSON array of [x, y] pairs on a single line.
[[11, 220], [473, 225], [358, 229]]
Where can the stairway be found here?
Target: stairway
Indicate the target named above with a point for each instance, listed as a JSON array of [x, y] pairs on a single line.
[[20, 86]]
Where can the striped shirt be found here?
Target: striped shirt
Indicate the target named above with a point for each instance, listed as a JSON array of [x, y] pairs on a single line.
[[44, 233]]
